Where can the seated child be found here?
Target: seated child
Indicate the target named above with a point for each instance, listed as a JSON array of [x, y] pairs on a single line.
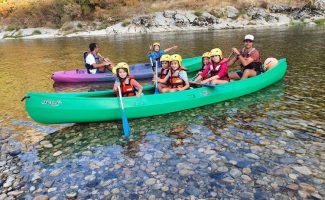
[[206, 63], [218, 70], [129, 86], [177, 77]]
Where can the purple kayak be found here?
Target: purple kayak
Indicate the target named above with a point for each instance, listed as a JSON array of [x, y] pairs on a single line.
[[138, 71]]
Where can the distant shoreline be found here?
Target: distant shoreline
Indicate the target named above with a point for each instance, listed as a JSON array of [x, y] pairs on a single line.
[[183, 20]]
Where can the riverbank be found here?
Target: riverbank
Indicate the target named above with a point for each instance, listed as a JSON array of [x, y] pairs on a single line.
[[227, 17]]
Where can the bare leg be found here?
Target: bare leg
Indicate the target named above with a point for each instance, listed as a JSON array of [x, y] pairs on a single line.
[[248, 73], [218, 81], [161, 86], [234, 76]]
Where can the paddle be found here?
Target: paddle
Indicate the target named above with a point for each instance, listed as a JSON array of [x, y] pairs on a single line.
[[203, 84], [125, 123], [156, 81]]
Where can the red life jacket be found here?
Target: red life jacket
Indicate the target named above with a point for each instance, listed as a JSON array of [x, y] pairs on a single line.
[[175, 80], [163, 73], [127, 88], [215, 68]]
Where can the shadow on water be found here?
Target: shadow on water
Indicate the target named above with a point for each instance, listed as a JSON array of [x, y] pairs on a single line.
[[81, 137]]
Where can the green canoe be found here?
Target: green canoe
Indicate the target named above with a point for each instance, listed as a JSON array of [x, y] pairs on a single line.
[[54, 108]]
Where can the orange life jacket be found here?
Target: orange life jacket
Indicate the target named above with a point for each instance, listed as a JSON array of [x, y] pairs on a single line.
[[175, 80], [127, 88]]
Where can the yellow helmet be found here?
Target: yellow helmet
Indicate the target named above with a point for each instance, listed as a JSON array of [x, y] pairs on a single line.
[[206, 55], [165, 58], [176, 57], [156, 43], [120, 66], [216, 52]]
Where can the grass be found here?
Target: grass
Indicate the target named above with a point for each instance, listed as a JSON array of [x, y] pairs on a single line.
[[320, 22]]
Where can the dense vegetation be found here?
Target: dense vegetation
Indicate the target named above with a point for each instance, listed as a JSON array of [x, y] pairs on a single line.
[[54, 13]]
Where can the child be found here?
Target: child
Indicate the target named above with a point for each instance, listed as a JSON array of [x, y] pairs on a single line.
[[129, 86], [218, 70], [177, 77], [155, 53], [206, 63], [165, 68]]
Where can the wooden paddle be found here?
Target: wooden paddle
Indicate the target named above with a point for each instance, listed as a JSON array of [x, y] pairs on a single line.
[[125, 123]]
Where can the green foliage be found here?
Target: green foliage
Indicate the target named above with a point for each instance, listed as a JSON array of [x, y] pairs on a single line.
[[12, 27], [320, 22], [79, 25], [36, 32], [125, 23], [197, 13]]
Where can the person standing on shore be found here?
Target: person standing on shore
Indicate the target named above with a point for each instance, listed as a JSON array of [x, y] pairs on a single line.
[[94, 63], [249, 58]]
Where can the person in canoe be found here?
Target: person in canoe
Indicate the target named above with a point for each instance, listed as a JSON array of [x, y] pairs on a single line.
[[94, 63], [218, 69], [165, 68], [155, 53], [206, 63], [249, 58], [176, 78], [129, 86]]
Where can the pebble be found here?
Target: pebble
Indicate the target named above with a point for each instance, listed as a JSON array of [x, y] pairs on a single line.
[[253, 156], [56, 172], [308, 188], [164, 188], [235, 173], [303, 194], [246, 179], [222, 169], [303, 170], [247, 170], [293, 176], [115, 191], [278, 151], [57, 153], [41, 197], [150, 181], [147, 157], [293, 186]]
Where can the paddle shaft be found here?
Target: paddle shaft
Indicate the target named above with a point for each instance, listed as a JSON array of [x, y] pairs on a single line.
[[120, 95]]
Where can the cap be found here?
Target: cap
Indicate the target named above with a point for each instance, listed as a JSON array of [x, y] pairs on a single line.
[[249, 37]]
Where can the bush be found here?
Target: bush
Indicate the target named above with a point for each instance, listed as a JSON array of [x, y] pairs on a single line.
[[320, 22], [12, 27], [197, 13], [36, 32], [125, 23]]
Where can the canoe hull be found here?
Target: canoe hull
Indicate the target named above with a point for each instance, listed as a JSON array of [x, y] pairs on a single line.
[[139, 71], [96, 106]]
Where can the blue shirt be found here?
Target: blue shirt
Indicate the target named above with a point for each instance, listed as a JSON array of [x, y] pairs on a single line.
[[155, 56]]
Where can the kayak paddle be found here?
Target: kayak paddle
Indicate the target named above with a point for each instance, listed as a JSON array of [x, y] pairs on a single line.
[[125, 123], [156, 81]]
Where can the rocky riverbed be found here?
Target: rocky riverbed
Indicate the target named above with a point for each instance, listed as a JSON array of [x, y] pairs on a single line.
[[188, 20], [227, 155]]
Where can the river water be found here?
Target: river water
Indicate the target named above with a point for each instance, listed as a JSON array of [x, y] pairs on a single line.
[[269, 144]]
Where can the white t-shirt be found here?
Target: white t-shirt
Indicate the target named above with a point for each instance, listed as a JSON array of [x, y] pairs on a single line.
[[90, 59]]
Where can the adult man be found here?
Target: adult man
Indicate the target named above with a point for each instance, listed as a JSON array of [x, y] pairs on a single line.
[[95, 63], [249, 59]]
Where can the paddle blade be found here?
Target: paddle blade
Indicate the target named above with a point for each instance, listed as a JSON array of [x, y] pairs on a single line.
[[125, 124], [156, 90]]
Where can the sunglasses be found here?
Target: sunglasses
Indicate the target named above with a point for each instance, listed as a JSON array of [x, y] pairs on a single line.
[[248, 41]]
